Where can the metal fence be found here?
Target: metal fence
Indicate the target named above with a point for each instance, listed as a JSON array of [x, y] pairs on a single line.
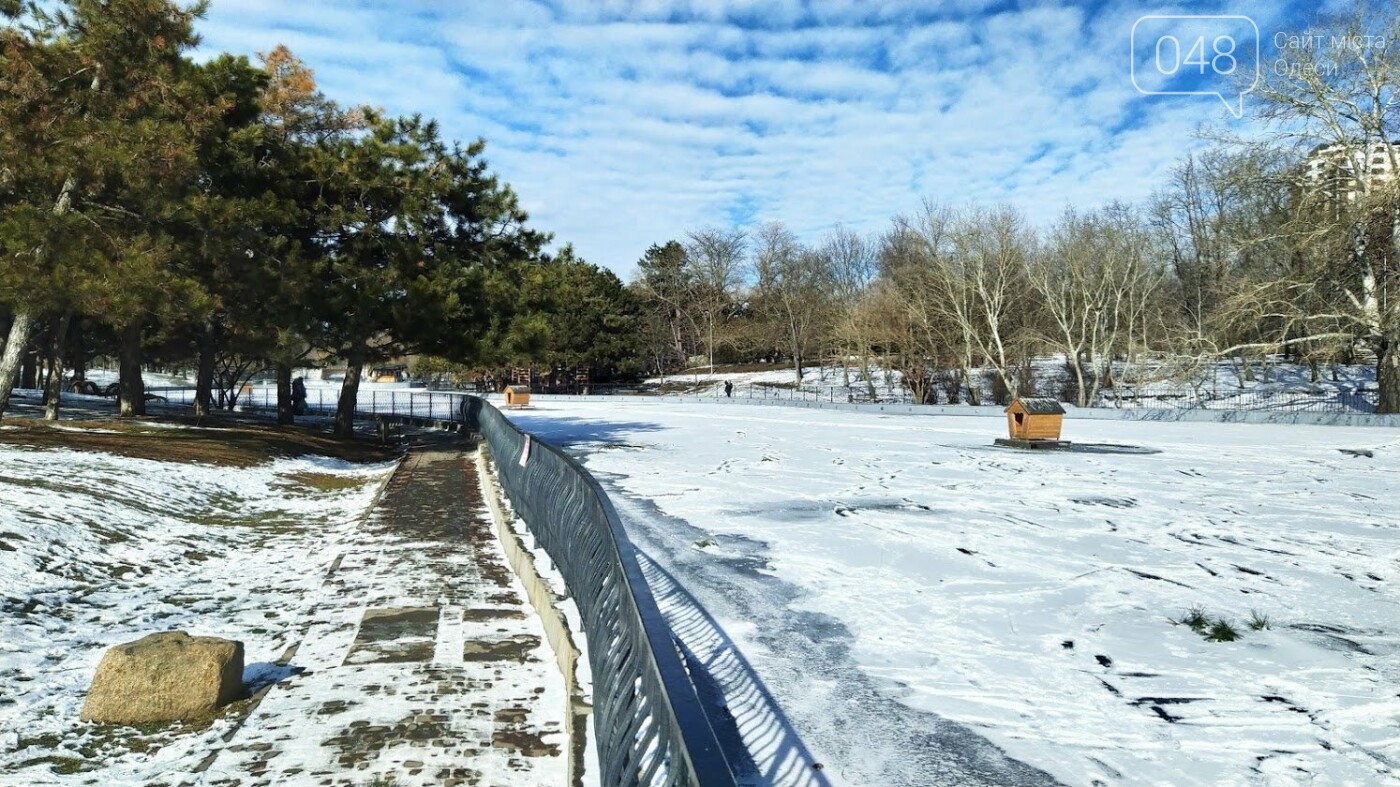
[[1312, 398], [649, 724], [443, 406], [1335, 398]]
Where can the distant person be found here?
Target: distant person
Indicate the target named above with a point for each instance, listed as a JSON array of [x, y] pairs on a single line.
[[729, 388], [298, 397]]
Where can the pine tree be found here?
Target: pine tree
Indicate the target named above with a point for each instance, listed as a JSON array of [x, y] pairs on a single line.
[[411, 229], [98, 129]]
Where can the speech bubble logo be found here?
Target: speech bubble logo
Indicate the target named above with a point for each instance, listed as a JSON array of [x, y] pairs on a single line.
[[1196, 56]]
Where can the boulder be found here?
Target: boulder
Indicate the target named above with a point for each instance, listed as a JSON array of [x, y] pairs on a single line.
[[169, 676]]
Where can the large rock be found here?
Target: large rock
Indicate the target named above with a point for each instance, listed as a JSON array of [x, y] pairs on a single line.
[[169, 676]]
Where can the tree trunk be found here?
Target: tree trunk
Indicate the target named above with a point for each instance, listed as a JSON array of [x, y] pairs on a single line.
[[29, 370], [1388, 372], [132, 390], [45, 374], [204, 375], [974, 386], [53, 391], [711, 347], [285, 416], [21, 328], [349, 390], [78, 352]]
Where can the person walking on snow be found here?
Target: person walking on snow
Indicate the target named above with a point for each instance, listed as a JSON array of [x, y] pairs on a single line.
[[298, 397], [729, 388]]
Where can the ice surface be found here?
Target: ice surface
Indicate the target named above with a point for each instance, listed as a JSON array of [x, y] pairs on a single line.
[[906, 595]]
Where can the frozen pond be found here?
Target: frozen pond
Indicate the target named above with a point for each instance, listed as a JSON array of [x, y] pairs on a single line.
[[897, 600]]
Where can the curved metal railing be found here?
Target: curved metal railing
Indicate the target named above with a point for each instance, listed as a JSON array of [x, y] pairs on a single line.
[[648, 723]]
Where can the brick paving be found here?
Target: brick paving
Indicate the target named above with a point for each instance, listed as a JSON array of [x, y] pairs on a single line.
[[423, 662]]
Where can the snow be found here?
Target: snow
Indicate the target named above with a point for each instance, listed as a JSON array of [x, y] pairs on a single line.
[[98, 549], [818, 382], [897, 599]]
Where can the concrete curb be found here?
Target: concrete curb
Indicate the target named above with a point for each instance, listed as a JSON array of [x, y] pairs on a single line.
[[1084, 413], [556, 626]]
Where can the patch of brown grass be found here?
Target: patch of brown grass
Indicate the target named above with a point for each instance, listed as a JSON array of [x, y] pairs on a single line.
[[232, 445], [325, 482]]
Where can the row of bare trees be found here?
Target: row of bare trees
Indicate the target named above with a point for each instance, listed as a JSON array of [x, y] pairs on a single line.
[[944, 292], [1236, 257], [960, 291], [746, 295], [1281, 239]]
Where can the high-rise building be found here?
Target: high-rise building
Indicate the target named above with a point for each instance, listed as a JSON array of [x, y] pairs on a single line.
[[1344, 171]]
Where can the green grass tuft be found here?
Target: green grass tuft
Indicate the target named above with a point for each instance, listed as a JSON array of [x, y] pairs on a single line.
[[1196, 619], [1221, 631]]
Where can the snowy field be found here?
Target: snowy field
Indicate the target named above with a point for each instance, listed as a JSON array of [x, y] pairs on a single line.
[[900, 601], [97, 549]]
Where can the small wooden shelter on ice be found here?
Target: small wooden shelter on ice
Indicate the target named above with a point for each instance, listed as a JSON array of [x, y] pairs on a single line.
[[1034, 423], [517, 395]]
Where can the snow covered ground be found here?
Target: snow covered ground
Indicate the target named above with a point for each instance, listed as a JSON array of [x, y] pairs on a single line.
[[818, 382], [97, 549], [896, 599]]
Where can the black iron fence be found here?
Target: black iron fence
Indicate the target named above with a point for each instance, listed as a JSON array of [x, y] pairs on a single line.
[[1312, 398], [1336, 398], [649, 724], [445, 406]]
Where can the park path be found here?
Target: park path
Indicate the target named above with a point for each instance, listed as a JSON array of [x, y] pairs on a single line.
[[422, 663]]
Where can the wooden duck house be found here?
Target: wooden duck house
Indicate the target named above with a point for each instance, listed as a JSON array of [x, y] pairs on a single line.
[[1034, 423], [517, 395]]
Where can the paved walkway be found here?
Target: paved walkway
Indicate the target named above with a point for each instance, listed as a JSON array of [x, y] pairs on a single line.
[[424, 664]]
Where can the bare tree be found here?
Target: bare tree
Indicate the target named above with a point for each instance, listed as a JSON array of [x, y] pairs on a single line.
[[1094, 283], [927, 306], [1341, 98], [790, 291], [715, 258], [851, 269], [991, 249]]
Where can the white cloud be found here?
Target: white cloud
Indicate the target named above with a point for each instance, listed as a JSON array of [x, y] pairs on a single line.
[[622, 124]]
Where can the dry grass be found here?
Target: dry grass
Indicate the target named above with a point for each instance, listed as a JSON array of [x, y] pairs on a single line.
[[231, 445], [325, 482]]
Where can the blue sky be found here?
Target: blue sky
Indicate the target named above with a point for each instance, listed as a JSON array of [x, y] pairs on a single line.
[[623, 124]]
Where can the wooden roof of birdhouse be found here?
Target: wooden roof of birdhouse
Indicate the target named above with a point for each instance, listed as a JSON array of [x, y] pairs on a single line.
[[1038, 406]]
